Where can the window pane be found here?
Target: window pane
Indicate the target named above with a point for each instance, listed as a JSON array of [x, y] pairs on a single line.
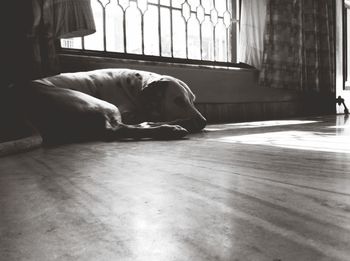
[[143, 5], [194, 44], [165, 2], [179, 37], [194, 29], [194, 4], [178, 3], [208, 5], [220, 42], [114, 28], [151, 31], [220, 6], [207, 40], [124, 4], [72, 43], [95, 41], [133, 30], [166, 32]]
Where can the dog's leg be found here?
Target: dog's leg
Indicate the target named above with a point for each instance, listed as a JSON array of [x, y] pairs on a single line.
[[187, 124], [145, 130]]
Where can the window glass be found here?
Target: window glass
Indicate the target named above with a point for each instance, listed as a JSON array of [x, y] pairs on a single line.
[[188, 29]]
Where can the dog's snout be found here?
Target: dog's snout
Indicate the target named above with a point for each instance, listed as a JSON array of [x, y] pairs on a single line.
[[195, 124], [201, 122]]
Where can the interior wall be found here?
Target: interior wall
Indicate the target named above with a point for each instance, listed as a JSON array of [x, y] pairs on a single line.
[[15, 62]]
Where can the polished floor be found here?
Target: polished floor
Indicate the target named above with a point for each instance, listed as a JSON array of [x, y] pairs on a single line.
[[273, 190]]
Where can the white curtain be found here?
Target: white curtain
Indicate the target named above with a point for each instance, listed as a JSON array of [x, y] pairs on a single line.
[[347, 3], [252, 27]]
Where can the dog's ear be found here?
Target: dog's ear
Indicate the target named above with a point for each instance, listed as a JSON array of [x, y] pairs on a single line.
[[154, 91], [152, 96]]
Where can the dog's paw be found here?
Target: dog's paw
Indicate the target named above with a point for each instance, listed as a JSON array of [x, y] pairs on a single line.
[[170, 132]]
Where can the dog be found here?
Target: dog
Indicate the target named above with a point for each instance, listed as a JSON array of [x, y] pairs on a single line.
[[111, 104]]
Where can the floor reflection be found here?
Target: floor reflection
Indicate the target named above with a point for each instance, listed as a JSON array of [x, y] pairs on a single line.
[[258, 124], [332, 136]]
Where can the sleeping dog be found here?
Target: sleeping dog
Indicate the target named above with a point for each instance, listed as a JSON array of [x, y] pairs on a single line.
[[111, 104]]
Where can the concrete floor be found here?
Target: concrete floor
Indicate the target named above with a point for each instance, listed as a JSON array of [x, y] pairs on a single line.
[[277, 190]]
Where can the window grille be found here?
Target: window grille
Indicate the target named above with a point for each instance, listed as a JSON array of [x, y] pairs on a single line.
[[202, 30]]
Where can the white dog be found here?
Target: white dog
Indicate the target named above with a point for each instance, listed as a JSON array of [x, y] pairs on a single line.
[[111, 104]]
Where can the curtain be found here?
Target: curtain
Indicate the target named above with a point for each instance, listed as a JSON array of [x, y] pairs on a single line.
[[252, 27], [347, 3], [69, 18], [299, 45], [52, 20], [44, 60]]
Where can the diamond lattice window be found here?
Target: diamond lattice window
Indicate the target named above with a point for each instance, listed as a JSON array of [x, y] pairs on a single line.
[[189, 29]]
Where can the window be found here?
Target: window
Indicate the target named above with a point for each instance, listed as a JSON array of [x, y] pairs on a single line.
[[198, 30]]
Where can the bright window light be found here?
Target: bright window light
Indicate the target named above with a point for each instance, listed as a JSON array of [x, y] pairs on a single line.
[[188, 29]]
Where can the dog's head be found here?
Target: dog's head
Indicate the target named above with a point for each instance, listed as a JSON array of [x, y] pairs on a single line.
[[169, 99]]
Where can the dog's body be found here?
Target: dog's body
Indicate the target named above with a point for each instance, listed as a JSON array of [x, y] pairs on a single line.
[[111, 104]]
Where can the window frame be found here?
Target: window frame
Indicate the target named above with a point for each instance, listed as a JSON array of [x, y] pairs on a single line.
[[165, 59], [346, 42]]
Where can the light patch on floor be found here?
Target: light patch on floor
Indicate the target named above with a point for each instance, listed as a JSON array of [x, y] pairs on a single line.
[[302, 140], [258, 124]]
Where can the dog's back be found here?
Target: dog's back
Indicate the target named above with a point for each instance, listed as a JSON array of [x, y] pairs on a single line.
[[120, 87]]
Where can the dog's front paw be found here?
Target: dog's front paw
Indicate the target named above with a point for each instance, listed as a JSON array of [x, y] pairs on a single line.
[[170, 132]]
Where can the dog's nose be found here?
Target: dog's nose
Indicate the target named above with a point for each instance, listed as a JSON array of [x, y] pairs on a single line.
[[193, 125], [197, 124], [201, 122]]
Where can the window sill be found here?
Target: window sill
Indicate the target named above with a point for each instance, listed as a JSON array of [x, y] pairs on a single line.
[[153, 60]]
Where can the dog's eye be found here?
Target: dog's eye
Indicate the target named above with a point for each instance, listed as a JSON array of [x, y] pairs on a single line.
[[179, 101]]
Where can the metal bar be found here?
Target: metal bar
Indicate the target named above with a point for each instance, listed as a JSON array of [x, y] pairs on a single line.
[[227, 35], [103, 24], [238, 28], [124, 30], [214, 42], [104, 28], [165, 6], [186, 27], [227, 39], [176, 8], [159, 29], [186, 30], [200, 33], [171, 29], [142, 32]]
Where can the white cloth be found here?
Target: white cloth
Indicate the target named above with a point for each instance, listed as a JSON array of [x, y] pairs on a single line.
[[347, 3], [251, 39]]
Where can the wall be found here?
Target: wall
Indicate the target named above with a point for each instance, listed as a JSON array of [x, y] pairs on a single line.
[[15, 65], [223, 94]]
